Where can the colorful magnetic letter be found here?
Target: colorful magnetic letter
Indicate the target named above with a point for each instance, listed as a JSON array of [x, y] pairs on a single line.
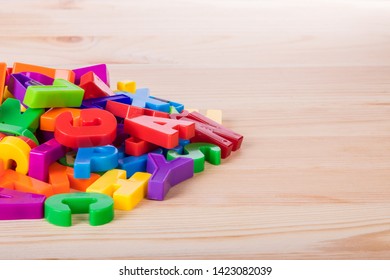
[[199, 152], [43, 79], [58, 178], [13, 122], [60, 207], [15, 149], [207, 133], [95, 159], [126, 193], [207, 130], [128, 86], [17, 85], [160, 131], [61, 177], [100, 70], [29, 142], [53, 73], [48, 119], [94, 127], [43, 156], [218, 129], [107, 184], [167, 174], [123, 110], [15, 205], [142, 99], [20, 182], [134, 164], [93, 86], [132, 191], [61, 94], [134, 146], [80, 184], [177, 106]]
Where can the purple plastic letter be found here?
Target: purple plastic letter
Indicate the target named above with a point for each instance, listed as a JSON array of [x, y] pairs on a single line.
[[15, 205], [100, 70], [166, 174], [42, 156]]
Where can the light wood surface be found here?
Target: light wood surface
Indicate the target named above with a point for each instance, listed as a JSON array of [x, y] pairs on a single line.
[[306, 82]]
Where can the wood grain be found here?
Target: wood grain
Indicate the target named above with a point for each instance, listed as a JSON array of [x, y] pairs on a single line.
[[307, 84]]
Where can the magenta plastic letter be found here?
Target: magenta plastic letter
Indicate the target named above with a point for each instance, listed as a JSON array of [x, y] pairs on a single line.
[[15, 205], [42, 156]]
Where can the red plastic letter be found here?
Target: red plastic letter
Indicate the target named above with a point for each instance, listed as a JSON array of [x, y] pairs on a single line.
[[160, 131], [95, 127]]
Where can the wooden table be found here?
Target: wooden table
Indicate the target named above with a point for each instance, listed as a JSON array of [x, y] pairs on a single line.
[[307, 84]]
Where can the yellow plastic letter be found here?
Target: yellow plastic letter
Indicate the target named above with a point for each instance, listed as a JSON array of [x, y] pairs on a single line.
[[128, 86], [14, 148], [126, 193]]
